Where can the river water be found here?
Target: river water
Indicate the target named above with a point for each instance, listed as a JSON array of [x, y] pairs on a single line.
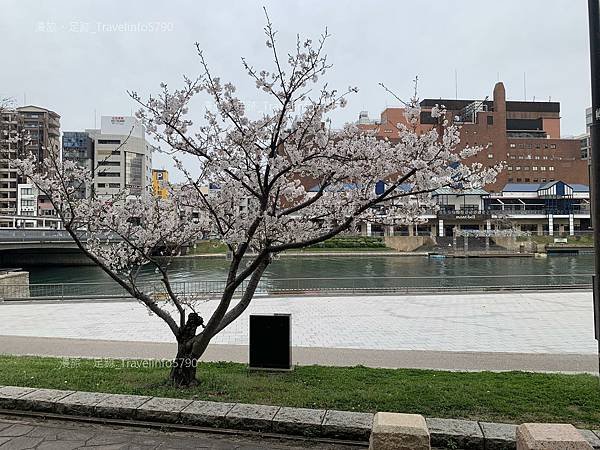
[[361, 271]]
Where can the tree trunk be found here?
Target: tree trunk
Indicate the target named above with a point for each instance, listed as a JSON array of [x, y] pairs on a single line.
[[183, 370]]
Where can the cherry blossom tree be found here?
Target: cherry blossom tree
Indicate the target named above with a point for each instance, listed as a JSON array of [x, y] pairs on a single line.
[[284, 180]]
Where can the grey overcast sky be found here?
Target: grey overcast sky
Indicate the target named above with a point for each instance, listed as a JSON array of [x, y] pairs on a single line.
[[71, 56]]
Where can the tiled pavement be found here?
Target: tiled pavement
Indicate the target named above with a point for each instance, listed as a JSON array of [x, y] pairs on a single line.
[[529, 322], [39, 434]]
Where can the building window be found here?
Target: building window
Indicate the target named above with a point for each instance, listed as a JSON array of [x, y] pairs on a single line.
[[510, 180], [518, 168], [526, 168], [109, 174], [526, 180], [490, 120], [513, 145], [109, 163], [551, 168], [101, 185], [543, 168], [552, 145], [534, 168], [520, 156], [114, 185], [490, 156], [521, 146], [518, 180], [109, 141], [509, 168]]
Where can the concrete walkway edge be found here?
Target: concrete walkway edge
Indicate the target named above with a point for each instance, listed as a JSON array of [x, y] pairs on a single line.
[[341, 357], [345, 425]]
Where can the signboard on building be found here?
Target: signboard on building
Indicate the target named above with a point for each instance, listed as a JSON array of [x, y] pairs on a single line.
[[463, 216], [121, 125]]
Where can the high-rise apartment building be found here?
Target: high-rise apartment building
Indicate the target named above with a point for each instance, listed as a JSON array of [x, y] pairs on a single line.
[[122, 157], [38, 133], [9, 150]]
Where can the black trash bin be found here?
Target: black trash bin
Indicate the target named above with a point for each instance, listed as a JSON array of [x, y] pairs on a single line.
[[271, 342]]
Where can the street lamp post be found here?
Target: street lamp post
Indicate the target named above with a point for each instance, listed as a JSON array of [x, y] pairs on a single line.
[[594, 23]]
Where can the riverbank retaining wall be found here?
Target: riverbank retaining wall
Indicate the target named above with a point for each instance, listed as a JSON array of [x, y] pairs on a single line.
[[511, 243], [14, 285], [408, 243]]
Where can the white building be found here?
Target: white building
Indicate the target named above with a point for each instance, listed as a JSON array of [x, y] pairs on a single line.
[[122, 156]]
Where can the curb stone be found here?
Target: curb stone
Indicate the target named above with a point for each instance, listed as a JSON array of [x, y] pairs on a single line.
[[162, 409], [354, 425], [43, 400], [591, 437], [251, 417], [454, 433], [499, 436], [205, 414], [79, 403], [9, 395], [119, 406], [299, 421]]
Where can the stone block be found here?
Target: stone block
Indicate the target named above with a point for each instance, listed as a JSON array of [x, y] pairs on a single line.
[[394, 431], [8, 395], [454, 433], [591, 437], [79, 403], [43, 400], [205, 414], [162, 409], [499, 436], [348, 425], [550, 436], [251, 417], [119, 406], [300, 421]]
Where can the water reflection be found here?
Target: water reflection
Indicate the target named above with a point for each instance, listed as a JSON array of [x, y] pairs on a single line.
[[365, 270]]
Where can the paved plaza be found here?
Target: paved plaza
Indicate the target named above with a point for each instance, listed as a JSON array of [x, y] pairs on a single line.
[[528, 322], [33, 433]]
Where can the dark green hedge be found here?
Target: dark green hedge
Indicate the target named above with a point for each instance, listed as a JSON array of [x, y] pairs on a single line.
[[352, 242]]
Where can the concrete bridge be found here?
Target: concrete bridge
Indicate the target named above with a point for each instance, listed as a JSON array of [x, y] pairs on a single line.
[[41, 247]]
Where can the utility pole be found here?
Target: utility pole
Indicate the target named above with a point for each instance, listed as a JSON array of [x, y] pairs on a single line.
[[594, 19]]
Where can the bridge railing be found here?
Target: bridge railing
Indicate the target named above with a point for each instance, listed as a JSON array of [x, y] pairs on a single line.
[[212, 289], [33, 235]]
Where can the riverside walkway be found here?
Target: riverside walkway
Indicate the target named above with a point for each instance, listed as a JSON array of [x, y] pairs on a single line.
[[52, 434], [540, 331]]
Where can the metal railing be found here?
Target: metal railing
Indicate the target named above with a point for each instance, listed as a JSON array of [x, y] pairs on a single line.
[[211, 289]]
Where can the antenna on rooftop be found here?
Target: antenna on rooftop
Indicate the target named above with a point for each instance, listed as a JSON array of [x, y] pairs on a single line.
[[456, 84], [525, 85]]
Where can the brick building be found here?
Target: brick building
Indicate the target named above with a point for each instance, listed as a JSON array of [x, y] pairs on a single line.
[[524, 135]]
